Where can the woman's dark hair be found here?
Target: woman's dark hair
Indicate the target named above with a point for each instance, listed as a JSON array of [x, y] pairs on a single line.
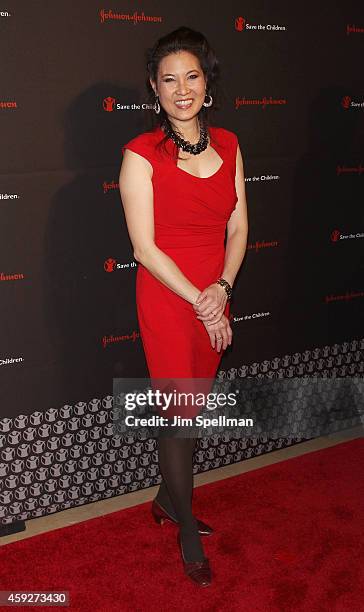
[[184, 39]]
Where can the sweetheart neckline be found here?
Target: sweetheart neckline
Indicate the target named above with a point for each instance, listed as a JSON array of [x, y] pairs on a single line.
[[201, 178]]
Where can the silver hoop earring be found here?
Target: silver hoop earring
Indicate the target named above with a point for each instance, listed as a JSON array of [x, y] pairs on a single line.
[[209, 103], [156, 106]]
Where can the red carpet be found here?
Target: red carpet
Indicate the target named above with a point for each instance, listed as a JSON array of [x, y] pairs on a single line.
[[289, 538]]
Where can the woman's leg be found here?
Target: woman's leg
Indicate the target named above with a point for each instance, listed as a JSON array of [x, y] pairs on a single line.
[[163, 497], [176, 466]]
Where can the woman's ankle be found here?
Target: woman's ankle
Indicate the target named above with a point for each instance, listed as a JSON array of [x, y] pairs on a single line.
[[165, 503], [191, 541]]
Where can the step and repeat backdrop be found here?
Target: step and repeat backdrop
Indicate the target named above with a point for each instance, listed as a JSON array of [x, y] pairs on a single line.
[[72, 94]]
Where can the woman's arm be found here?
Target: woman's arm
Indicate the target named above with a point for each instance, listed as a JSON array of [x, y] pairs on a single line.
[[237, 227], [136, 189], [213, 298]]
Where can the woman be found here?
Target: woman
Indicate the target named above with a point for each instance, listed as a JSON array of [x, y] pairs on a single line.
[[182, 186]]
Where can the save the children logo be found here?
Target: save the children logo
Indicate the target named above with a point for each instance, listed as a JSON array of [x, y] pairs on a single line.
[[243, 25], [110, 265], [240, 24], [110, 104], [337, 235], [347, 102]]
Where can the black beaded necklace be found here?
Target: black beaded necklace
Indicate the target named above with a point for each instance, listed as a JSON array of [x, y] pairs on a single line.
[[185, 145]]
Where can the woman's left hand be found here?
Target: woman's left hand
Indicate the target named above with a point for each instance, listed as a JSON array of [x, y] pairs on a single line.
[[210, 304]]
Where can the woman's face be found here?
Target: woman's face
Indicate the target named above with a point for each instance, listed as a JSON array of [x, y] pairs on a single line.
[[180, 77]]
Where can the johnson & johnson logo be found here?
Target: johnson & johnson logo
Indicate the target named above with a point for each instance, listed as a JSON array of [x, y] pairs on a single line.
[[349, 295], [134, 18], [11, 277], [12, 104], [112, 339], [109, 186], [263, 102], [353, 29], [349, 169], [257, 245]]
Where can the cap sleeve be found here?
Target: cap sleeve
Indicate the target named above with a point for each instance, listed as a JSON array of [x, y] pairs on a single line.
[[234, 145], [141, 145], [228, 142]]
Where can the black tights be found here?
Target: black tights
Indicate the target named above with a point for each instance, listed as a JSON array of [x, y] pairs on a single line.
[[175, 492]]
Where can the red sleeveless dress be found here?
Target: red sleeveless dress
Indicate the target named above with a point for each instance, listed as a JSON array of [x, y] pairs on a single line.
[[190, 216]]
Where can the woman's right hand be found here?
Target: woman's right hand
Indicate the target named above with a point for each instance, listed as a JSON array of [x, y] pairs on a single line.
[[220, 333]]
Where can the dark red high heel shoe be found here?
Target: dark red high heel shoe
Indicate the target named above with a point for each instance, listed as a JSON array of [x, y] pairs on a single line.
[[198, 571], [160, 515]]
